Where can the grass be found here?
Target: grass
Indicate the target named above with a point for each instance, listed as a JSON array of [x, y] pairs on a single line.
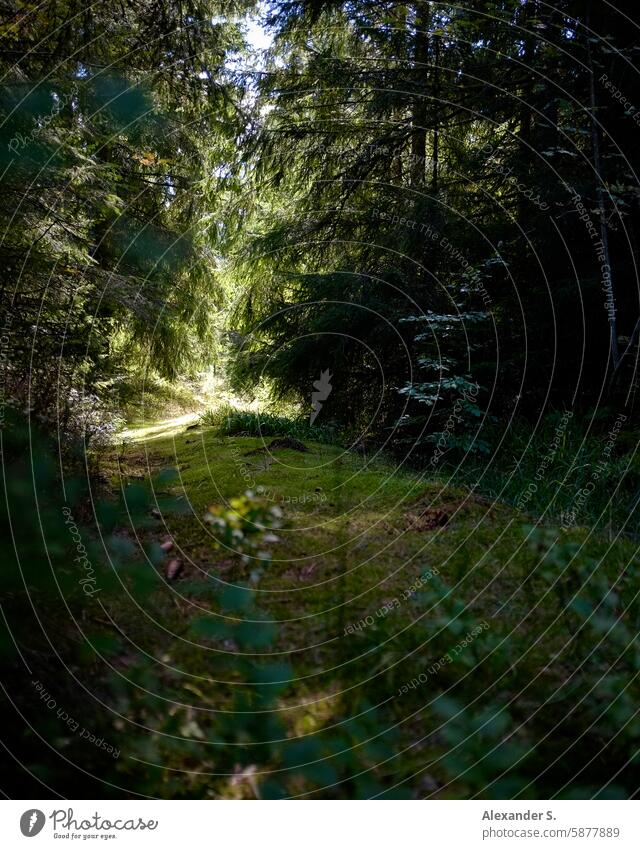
[[229, 420], [539, 472], [379, 574], [543, 472]]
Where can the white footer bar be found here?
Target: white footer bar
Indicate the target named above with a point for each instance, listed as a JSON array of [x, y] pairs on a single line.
[[320, 824]]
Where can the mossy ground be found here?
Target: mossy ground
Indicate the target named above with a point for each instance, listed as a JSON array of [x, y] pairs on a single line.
[[348, 587]]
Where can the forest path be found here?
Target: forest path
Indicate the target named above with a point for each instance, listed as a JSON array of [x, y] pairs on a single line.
[[375, 576], [144, 432], [356, 531]]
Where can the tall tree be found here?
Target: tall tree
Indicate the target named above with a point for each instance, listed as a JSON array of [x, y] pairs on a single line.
[[114, 120]]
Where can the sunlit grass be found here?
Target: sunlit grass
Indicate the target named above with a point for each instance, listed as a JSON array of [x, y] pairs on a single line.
[[366, 535]]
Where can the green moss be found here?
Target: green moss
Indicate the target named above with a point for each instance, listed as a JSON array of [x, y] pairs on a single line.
[[377, 575]]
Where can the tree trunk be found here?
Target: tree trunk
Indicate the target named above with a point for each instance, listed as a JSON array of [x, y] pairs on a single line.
[[436, 111], [604, 234], [419, 111]]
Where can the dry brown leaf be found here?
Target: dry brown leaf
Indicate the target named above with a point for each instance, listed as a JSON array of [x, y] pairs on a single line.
[[173, 570]]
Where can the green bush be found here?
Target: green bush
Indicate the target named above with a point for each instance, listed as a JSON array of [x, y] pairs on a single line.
[[62, 566], [546, 707], [229, 421]]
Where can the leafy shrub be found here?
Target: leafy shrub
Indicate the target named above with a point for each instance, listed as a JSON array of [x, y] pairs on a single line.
[[245, 747], [246, 526], [89, 421], [443, 416], [58, 576], [519, 711]]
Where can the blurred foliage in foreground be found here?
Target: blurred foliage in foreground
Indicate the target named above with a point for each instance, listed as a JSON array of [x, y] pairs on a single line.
[[82, 596], [97, 647]]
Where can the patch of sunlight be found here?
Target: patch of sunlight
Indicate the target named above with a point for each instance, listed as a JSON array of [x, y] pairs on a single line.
[[215, 392], [157, 430]]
